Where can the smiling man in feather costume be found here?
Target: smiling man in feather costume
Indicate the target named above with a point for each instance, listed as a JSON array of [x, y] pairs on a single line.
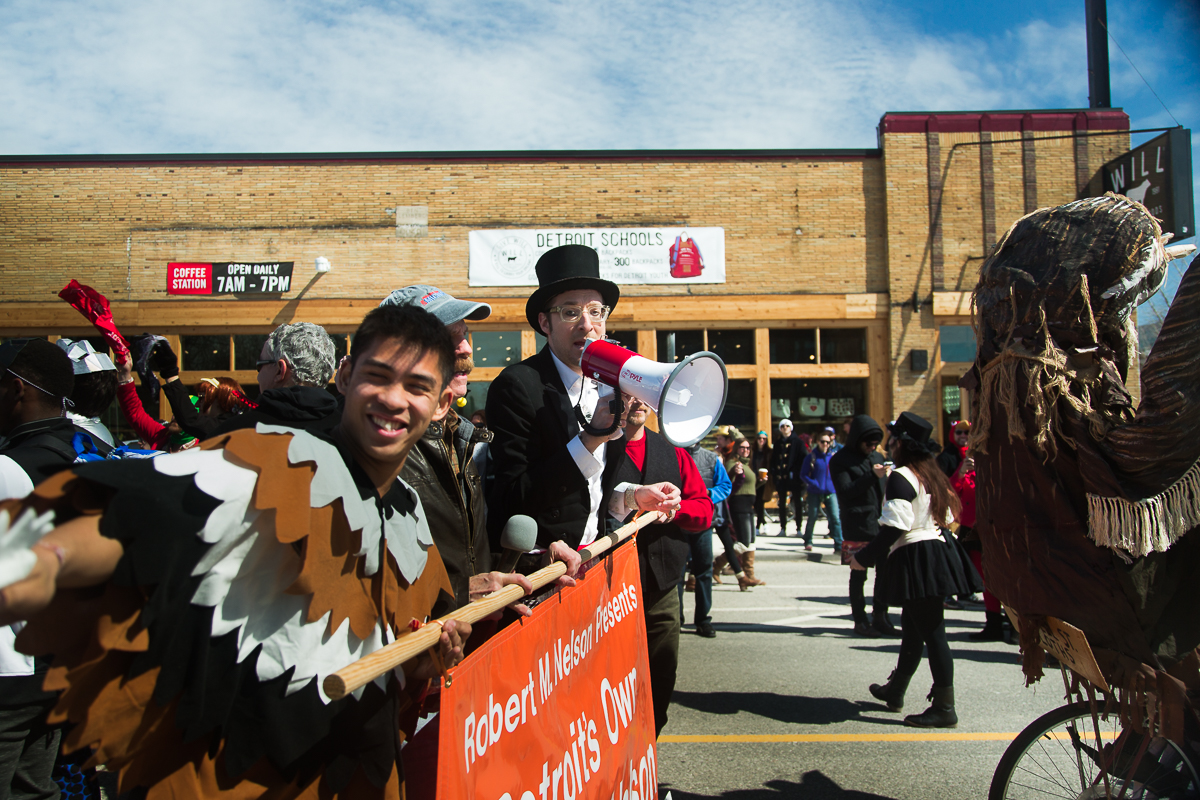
[[194, 602], [1087, 508]]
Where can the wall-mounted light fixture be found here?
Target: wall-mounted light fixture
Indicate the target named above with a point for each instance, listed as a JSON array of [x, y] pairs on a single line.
[[322, 264]]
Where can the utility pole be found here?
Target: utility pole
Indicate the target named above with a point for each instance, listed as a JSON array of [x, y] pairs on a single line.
[[1099, 95]]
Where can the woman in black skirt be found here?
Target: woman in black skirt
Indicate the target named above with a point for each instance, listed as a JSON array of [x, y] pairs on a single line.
[[923, 568]]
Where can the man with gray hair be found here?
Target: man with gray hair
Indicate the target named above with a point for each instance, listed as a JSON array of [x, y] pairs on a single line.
[[295, 365]]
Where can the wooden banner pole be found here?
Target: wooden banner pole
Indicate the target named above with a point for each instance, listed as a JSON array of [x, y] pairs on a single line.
[[409, 645]]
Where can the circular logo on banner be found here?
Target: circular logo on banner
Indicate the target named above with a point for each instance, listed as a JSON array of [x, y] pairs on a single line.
[[512, 257]]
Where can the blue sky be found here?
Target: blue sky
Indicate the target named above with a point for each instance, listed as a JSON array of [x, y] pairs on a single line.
[[143, 76]]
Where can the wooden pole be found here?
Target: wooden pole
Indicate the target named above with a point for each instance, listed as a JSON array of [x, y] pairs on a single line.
[[410, 645]]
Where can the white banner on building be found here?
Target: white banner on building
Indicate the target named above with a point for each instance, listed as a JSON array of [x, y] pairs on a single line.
[[627, 255]]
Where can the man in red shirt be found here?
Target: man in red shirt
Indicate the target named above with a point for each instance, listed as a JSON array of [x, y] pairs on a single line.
[[648, 470]]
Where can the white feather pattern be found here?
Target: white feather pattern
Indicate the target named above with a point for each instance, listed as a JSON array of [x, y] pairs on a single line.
[[246, 571], [16, 558]]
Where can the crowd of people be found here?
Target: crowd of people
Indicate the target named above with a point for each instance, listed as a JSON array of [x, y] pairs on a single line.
[[436, 489]]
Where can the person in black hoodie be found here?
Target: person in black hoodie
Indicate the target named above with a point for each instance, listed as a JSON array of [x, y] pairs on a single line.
[[858, 474], [295, 366]]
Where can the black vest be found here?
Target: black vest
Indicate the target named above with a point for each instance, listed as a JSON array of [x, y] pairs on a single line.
[[662, 548]]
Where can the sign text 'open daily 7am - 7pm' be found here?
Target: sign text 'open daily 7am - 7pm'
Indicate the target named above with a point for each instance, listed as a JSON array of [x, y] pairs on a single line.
[[229, 277]]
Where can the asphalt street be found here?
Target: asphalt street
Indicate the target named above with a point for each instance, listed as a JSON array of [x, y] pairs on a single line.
[[776, 706]]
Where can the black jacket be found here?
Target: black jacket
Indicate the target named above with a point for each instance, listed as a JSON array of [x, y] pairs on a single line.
[[190, 420], [452, 498], [44, 447], [950, 458], [308, 408], [532, 420], [786, 457], [859, 490]]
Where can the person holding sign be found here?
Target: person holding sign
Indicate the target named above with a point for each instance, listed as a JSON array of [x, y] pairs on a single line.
[[194, 602], [644, 457]]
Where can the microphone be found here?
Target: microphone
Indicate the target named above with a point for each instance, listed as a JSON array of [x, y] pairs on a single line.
[[518, 537]]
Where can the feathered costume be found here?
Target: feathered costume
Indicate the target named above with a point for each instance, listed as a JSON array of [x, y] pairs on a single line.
[[253, 567], [1086, 508]]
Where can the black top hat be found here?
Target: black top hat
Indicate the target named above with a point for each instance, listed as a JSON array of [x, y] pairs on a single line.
[[914, 432], [572, 266]]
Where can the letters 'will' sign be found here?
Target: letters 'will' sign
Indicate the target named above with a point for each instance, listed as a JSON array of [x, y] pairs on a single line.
[[229, 277], [1158, 175]]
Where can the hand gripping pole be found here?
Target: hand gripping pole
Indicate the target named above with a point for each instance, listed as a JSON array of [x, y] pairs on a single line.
[[409, 645]]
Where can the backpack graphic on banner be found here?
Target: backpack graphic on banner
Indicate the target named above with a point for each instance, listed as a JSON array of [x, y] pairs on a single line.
[[686, 261]]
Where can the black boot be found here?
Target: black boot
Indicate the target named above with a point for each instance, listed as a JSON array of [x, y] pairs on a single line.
[[892, 692], [884, 625], [940, 713], [993, 628]]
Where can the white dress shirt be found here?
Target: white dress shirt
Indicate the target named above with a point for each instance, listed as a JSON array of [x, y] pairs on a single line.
[[585, 394]]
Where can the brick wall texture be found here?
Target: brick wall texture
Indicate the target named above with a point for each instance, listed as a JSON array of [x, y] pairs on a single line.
[[866, 222], [120, 225]]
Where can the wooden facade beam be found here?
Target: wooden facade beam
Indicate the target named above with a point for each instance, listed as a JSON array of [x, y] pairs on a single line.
[[342, 316]]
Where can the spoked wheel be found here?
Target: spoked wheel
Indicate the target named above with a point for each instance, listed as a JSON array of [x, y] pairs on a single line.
[[1058, 756]]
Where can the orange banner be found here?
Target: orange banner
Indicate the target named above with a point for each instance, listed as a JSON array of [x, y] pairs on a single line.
[[557, 706]]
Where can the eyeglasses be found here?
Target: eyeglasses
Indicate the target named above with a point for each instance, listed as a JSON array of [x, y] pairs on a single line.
[[575, 313], [745, 447], [823, 441], [262, 362]]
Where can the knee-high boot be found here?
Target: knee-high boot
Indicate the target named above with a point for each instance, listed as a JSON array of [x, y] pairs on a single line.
[[719, 564], [748, 568]]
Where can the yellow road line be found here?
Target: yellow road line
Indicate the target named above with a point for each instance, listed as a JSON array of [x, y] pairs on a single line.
[[838, 737]]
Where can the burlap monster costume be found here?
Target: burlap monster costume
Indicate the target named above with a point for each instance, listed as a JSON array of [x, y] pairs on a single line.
[[1088, 507]]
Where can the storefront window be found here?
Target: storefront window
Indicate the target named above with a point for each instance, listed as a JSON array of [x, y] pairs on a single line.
[[813, 403], [247, 347], [476, 398], [206, 353], [843, 346], [734, 346], [793, 346], [627, 339], [958, 342], [496, 348], [740, 406], [686, 343]]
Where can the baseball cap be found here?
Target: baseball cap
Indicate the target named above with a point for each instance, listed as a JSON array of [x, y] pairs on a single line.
[[446, 308]]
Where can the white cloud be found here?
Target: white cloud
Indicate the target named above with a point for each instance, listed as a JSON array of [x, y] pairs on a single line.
[[222, 76]]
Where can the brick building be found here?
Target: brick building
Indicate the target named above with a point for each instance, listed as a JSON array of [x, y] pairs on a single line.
[[848, 272]]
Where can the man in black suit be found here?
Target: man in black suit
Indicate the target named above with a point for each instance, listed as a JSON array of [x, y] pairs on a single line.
[[547, 465]]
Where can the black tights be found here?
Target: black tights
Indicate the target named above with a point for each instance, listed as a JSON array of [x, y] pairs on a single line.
[[924, 626]]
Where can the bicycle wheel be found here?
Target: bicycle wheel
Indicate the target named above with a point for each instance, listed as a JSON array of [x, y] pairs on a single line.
[[1058, 756]]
